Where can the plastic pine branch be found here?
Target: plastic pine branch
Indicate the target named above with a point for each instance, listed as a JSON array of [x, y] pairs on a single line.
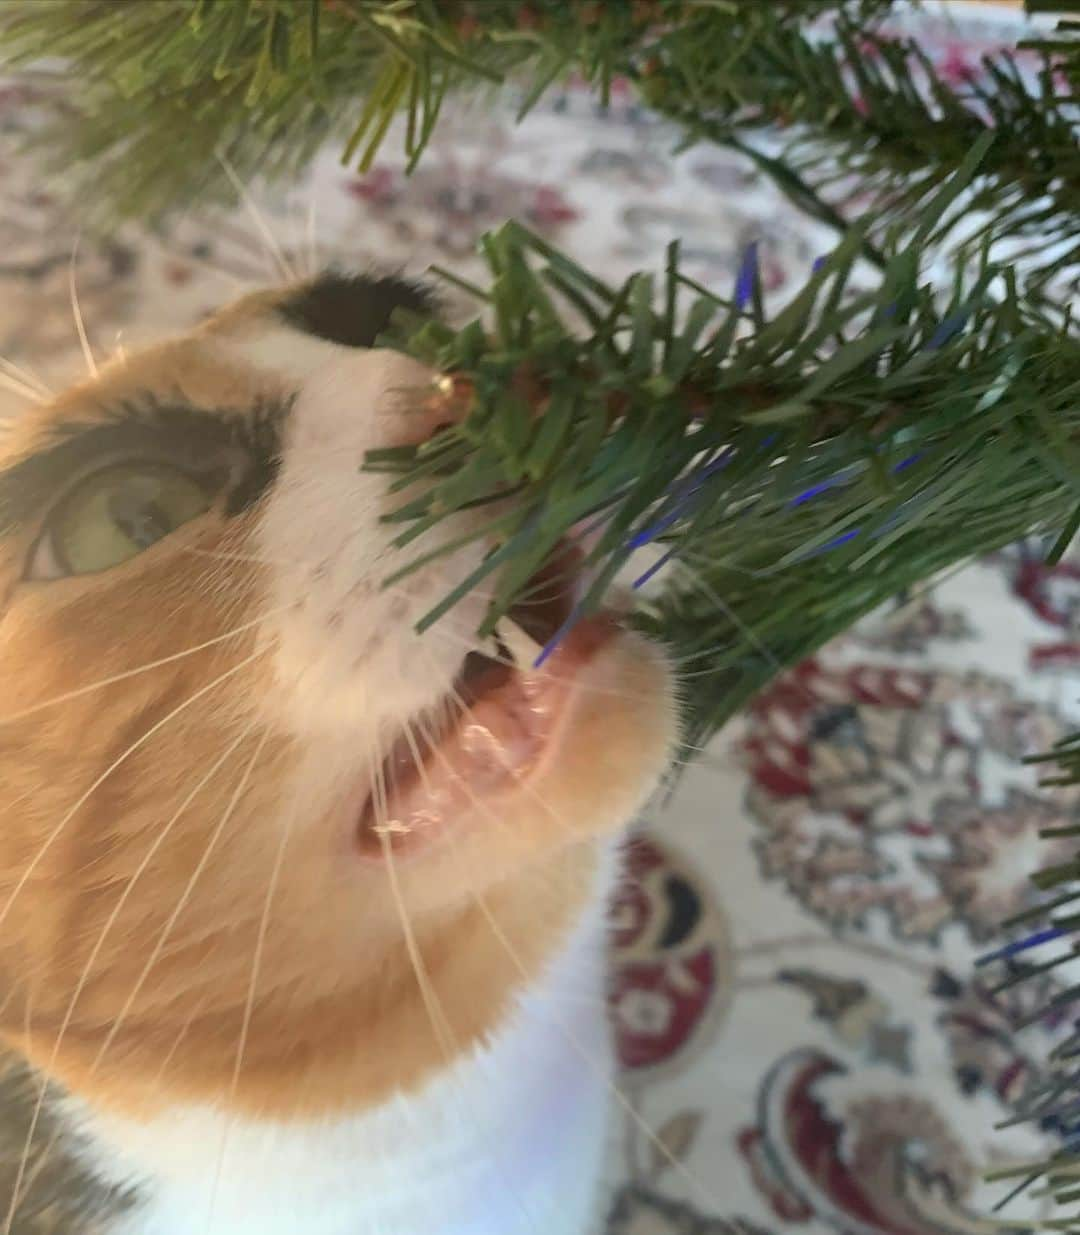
[[796, 471], [161, 90]]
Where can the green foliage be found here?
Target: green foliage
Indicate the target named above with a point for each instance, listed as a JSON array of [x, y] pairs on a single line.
[[876, 115], [169, 89], [164, 86], [1051, 1100], [802, 470], [167, 85]]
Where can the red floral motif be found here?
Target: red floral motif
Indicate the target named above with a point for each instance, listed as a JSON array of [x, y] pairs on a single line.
[[869, 783], [857, 1168], [379, 187], [808, 705], [956, 65], [460, 190], [670, 958], [550, 208], [1052, 593]]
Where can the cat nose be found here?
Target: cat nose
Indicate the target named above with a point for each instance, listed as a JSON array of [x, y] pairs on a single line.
[[374, 399], [444, 403]]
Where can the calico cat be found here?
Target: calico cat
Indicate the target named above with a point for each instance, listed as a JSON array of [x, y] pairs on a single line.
[[302, 914]]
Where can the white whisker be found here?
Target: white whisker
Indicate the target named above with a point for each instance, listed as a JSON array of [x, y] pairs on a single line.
[[312, 242], [54, 835], [587, 1058], [18, 388], [273, 248], [419, 966], [130, 673], [47, 1071], [508, 947], [599, 1070], [30, 380], [181, 903], [432, 1005], [177, 1042], [80, 325], [249, 1005]]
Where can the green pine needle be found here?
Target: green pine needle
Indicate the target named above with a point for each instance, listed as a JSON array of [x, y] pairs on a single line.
[[163, 88], [802, 472]]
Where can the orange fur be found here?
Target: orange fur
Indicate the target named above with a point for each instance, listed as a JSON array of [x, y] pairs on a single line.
[[338, 1021]]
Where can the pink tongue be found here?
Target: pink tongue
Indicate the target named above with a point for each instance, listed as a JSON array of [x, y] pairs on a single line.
[[494, 745]]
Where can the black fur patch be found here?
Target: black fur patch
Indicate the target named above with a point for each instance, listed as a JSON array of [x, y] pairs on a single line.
[[353, 309]]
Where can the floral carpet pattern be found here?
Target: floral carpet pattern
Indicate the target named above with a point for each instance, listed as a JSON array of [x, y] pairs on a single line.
[[805, 1039]]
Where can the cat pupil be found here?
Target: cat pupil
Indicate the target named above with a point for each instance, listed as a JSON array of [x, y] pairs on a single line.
[[141, 520]]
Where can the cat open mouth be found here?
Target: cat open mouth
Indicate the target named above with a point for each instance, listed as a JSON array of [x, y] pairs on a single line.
[[500, 719]]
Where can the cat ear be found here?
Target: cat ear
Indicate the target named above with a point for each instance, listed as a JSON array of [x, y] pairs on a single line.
[[353, 309]]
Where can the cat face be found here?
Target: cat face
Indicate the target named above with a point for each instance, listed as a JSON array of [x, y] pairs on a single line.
[[262, 843]]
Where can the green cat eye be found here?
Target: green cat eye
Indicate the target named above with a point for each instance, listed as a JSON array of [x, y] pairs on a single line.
[[116, 514]]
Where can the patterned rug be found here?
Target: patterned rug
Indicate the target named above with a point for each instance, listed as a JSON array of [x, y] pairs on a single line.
[[804, 1040]]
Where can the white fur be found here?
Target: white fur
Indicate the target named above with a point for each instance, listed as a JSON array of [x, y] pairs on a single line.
[[510, 1141], [348, 659]]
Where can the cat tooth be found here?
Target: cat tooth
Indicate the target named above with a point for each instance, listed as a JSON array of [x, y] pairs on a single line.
[[392, 827], [519, 643], [502, 642]]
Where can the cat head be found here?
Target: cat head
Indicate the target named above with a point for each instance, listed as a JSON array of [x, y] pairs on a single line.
[[243, 801]]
